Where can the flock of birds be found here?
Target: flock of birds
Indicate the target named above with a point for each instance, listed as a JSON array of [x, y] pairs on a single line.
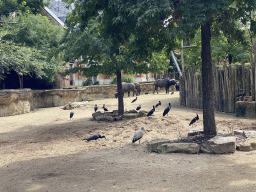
[[139, 134]]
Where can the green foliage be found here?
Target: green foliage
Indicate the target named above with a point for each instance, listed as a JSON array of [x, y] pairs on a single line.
[[22, 60], [117, 35], [96, 83], [23, 6], [35, 41], [220, 48], [128, 79], [87, 82]]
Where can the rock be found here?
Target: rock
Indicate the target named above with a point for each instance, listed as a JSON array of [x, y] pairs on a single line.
[[97, 114], [132, 111], [219, 145], [142, 113], [248, 145], [249, 133], [196, 131], [153, 144], [79, 104], [179, 148], [130, 116]]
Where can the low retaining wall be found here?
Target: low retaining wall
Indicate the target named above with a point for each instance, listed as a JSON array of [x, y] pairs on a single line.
[[19, 101], [246, 109]]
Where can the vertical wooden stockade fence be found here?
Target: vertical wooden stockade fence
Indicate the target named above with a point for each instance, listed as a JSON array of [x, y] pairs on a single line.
[[228, 81]]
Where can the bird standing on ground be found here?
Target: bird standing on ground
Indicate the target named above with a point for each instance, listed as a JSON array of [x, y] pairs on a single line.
[[159, 103], [95, 137], [138, 135], [95, 107], [194, 120], [105, 109], [152, 111], [134, 100], [240, 95], [167, 109], [71, 115], [138, 108], [172, 92]]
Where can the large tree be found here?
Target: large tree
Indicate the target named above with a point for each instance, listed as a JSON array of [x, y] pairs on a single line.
[[105, 34], [28, 44], [143, 25], [224, 14]]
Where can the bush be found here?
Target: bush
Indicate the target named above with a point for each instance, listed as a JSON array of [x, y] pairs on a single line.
[[128, 79], [96, 83], [87, 83]]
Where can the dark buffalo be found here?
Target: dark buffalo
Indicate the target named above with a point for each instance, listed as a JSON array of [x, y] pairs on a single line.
[[127, 87], [137, 87], [166, 83]]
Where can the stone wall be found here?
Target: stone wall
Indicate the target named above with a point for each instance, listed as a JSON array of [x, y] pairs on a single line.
[[19, 101], [246, 109]]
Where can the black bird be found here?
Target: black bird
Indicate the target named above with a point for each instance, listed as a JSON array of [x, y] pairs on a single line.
[[95, 137], [240, 95], [134, 100], [172, 92], [194, 120], [105, 109], [146, 93], [167, 109], [138, 108], [95, 107], [71, 114], [158, 104], [151, 112]]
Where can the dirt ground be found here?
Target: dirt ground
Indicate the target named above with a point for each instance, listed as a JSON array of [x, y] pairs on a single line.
[[45, 151]]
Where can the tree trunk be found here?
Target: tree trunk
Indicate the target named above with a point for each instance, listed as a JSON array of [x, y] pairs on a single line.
[[21, 81], [207, 81], [120, 93]]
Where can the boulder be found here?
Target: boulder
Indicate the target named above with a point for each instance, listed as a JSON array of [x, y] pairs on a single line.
[[249, 133], [130, 116], [142, 113], [179, 148], [248, 145], [219, 145], [153, 144], [196, 131], [97, 114]]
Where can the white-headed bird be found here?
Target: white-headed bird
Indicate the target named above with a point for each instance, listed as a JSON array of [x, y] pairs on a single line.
[[138, 135], [95, 108]]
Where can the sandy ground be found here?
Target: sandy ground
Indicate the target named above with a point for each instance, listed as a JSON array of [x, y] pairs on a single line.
[[45, 151]]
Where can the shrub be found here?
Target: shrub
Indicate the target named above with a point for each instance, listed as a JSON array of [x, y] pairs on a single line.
[[128, 79], [96, 83]]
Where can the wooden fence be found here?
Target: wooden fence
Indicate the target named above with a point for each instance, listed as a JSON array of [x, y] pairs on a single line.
[[228, 81]]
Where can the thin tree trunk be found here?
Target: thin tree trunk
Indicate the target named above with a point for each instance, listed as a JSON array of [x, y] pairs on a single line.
[[207, 81], [120, 93], [21, 81]]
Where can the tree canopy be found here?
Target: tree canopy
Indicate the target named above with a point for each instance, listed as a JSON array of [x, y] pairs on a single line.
[[142, 27], [29, 47], [25, 6]]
